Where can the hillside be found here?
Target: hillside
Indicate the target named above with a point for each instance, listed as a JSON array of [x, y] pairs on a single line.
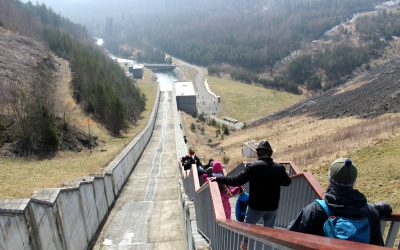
[[99, 85], [360, 119], [371, 95], [28, 69], [30, 107], [244, 102]]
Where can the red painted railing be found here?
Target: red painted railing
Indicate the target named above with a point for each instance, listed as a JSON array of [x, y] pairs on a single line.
[[228, 234]]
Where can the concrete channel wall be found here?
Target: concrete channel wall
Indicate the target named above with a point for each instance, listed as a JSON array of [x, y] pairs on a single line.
[[69, 217], [193, 240]]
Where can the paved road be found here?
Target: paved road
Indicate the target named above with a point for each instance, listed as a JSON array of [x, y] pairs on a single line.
[[207, 103], [148, 213]]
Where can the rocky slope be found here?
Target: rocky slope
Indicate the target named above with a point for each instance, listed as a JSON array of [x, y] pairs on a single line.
[[368, 94]]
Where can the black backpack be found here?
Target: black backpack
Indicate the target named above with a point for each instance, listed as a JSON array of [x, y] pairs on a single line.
[[187, 162]]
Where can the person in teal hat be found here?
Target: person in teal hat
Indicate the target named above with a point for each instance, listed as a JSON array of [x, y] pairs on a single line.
[[341, 200]]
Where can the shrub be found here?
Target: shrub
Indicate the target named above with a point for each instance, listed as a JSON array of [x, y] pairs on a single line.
[[225, 159], [193, 127], [314, 82], [225, 129], [202, 130], [201, 117], [213, 122]]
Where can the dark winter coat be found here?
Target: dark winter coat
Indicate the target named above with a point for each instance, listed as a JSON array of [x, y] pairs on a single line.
[[265, 178], [346, 202]]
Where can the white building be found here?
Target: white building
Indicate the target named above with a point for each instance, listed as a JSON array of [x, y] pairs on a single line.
[[185, 97], [249, 149]]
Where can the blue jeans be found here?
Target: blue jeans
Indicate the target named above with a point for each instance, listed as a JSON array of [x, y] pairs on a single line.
[[253, 216]]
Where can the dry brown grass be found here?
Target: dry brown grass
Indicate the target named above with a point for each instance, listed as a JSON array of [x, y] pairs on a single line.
[[314, 143], [21, 176]]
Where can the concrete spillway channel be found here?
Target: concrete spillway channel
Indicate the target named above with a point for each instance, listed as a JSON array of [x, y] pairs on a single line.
[[148, 213]]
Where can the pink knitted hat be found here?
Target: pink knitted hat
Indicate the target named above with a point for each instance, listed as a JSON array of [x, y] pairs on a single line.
[[217, 167]]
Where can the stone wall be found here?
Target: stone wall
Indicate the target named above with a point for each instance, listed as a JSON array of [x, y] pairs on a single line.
[[69, 217]]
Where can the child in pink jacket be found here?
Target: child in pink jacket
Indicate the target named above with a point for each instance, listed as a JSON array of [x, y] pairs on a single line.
[[225, 191]]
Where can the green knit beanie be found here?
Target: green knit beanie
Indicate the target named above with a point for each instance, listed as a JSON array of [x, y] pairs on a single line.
[[343, 172]]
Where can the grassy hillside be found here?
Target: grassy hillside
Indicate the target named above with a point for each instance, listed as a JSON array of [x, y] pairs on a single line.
[[313, 143], [379, 176], [67, 166], [244, 102]]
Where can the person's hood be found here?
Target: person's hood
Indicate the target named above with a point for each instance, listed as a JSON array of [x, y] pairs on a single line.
[[346, 202], [265, 158]]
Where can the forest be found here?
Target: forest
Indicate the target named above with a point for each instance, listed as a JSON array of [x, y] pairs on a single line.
[[242, 39]]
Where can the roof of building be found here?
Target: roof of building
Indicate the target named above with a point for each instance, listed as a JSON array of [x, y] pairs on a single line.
[[137, 66], [184, 89]]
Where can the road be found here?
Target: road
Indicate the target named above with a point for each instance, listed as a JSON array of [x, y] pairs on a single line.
[[207, 103], [148, 213]]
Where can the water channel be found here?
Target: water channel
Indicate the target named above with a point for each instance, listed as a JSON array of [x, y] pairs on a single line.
[[166, 81]]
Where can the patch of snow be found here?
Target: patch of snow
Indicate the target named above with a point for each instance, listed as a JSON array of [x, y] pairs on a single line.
[[388, 4], [107, 242], [99, 41]]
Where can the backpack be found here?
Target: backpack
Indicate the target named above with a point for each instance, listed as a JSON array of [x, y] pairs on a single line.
[[345, 228], [187, 162], [241, 206]]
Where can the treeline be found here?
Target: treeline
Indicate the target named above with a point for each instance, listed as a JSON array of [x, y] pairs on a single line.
[[385, 24], [152, 55], [99, 84], [333, 66], [251, 37], [102, 88], [315, 71]]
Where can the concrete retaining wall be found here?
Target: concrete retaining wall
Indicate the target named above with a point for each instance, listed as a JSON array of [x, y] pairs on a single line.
[[68, 218], [193, 240]]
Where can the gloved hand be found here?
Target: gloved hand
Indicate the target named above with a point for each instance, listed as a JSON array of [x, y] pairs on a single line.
[[212, 178], [383, 208]]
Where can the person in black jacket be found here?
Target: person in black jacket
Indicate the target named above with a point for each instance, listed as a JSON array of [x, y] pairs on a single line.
[[344, 201], [265, 178]]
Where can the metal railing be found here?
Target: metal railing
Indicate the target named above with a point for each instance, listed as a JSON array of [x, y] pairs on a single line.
[[393, 229], [190, 181], [228, 234], [294, 198]]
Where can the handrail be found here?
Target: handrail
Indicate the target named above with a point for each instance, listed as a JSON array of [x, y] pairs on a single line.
[[218, 226], [294, 239], [293, 166], [314, 184], [395, 216], [272, 236]]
